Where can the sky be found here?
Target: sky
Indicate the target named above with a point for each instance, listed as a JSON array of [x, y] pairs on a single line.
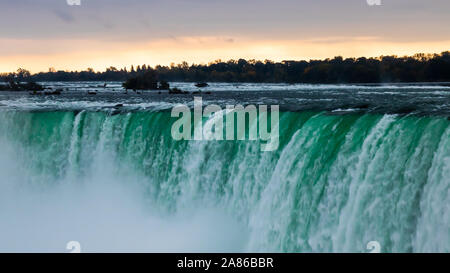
[[39, 34]]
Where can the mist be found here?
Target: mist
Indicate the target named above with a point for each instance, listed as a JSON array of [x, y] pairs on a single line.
[[104, 213]]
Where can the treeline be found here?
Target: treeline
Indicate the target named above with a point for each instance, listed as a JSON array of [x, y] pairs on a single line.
[[417, 68]]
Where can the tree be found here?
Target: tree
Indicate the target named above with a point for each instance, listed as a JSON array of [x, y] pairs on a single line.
[[145, 81], [417, 68], [22, 74]]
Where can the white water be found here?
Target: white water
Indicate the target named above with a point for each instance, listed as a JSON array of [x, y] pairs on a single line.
[[105, 213], [119, 183]]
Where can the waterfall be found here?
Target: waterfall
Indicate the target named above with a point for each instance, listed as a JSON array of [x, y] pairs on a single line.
[[336, 183]]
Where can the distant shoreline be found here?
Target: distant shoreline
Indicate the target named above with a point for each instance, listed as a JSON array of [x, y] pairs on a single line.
[[420, 68]]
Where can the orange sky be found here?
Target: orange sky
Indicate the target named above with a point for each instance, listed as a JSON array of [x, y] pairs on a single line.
[[80, 54], [36, 35]]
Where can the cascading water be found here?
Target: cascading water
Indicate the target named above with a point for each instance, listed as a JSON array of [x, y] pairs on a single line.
[[121, 183]]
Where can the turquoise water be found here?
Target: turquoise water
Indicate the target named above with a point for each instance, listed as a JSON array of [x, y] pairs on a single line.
[[336, 183]]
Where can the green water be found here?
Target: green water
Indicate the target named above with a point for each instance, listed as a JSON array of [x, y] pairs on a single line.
[[336, 182]]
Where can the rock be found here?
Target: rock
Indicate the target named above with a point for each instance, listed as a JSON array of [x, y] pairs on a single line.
[[202, 84], [177, 91], [56, 92], [17, 86], [163, 85]]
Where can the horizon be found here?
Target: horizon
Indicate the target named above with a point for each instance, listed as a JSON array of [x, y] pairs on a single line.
[[98, 33], [135, 66]]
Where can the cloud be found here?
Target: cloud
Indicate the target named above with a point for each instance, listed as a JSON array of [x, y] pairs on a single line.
[[123, 32], [304, 19], [228, 40], [64, 16]]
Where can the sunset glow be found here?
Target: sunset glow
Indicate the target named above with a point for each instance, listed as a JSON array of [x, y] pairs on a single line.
[[81, 54], [100, 34]]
